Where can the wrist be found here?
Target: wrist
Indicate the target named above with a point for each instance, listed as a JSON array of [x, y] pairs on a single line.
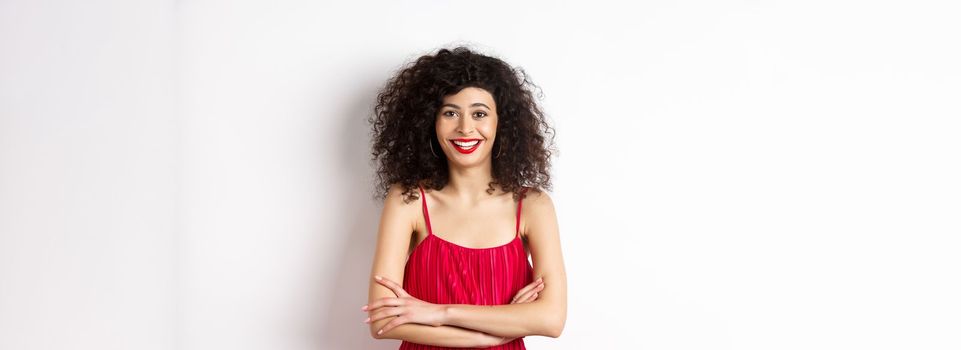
[[453, 314], [445, 316]]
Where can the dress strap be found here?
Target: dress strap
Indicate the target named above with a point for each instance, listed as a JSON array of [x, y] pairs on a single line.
[[520, 203], [423, 201]]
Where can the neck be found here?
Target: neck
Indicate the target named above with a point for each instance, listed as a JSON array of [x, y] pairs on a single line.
[[469, 184]]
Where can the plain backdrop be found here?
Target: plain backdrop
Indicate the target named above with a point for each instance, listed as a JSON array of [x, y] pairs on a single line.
[[732, 174]]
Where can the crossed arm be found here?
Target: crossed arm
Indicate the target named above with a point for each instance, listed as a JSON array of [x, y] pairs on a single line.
[[394, 314]]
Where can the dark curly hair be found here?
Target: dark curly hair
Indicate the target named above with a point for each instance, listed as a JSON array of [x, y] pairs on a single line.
[[404, 116]]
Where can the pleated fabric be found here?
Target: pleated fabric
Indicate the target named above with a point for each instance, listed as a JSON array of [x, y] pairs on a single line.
[[442, 272]]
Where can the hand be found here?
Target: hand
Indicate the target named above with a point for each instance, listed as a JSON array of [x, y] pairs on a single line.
[[529, 293], [408, 309]]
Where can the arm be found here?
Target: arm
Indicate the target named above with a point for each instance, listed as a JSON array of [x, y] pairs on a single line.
[[444, 336], [545, 316], [398, 221]]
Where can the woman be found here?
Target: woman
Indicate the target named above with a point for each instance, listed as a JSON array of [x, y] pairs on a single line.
[[463, 157]]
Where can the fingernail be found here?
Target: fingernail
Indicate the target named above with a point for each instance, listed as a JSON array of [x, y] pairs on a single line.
[[377, 278], [363, 308], [540, 278], [380, 331], [367, 320]]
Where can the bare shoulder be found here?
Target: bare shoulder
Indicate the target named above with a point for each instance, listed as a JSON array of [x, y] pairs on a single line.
[[397, 201], [395, 191], [538, 216], [538, 199]]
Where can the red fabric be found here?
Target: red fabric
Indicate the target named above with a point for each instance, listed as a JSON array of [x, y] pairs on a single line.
[[443, 272]]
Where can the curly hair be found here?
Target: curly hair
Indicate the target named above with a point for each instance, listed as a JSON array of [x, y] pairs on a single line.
[[406, 111]]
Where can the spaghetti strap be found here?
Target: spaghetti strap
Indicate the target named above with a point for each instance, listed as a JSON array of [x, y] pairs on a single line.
[[442, 272], [423, 201], [520, 203]]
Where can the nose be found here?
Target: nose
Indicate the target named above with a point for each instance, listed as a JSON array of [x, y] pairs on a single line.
[[465, 126]]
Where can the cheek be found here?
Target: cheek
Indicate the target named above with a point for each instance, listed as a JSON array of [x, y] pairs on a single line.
[[440, 127], [489, 128]]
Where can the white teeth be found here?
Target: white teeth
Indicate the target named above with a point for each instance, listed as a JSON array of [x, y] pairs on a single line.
[[466, 144]]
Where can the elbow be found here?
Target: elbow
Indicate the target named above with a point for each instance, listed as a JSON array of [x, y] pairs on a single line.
[[554, 327], [552, 321], [373, 332], [555, 331], [390, 334]]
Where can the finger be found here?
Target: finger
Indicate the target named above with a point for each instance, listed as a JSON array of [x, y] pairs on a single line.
[[531, 298], [384, 313], [394, 323], [386, 301], [524, 293], [520, 298], [527, 299], [396, 288], [533, 294], [525, 290], [538, 290], [377, 304]]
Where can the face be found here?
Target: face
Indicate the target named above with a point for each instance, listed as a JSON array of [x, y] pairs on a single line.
[[466, 125]]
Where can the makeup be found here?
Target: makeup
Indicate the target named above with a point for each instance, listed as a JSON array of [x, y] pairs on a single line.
[[466, 146]]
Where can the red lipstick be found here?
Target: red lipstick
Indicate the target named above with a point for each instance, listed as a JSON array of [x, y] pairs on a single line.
[[465, 150]]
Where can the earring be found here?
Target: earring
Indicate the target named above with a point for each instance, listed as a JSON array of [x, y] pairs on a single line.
[[431, 143], [500, 150]]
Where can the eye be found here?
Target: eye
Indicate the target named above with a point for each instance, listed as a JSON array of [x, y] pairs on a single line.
[[480, 114], [449, 113]]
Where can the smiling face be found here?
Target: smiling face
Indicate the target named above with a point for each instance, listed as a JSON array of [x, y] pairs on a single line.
[[466, 125]]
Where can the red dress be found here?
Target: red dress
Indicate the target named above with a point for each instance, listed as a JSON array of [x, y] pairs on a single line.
[[442, 272]]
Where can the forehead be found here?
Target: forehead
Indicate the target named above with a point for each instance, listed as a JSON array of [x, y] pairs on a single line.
[[469, 95]]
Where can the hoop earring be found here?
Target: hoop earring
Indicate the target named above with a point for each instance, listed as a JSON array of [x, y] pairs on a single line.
[[500, 150], [431, 143]]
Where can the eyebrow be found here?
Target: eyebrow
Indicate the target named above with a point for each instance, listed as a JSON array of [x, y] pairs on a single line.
[[475, 104]]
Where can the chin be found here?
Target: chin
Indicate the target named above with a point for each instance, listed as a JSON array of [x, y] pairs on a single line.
[[475, 160]]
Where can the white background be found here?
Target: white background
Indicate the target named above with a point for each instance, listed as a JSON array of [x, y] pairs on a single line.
[[732, 174]]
